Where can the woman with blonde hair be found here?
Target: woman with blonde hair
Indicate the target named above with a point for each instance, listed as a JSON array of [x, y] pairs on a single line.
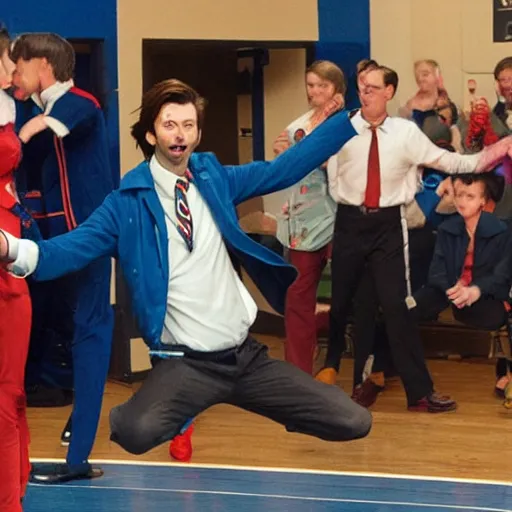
[[306, 224], [431, 101]]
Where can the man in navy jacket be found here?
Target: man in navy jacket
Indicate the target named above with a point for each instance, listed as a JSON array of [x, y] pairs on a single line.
[[171, 225]]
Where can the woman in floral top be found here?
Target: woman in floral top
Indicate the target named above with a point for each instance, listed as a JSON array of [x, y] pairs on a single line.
[[306, 224]]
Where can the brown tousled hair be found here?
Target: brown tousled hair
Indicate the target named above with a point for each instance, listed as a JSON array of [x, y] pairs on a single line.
[[168, 91]]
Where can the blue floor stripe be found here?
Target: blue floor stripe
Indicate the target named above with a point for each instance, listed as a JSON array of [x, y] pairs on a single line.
[[190, 489]]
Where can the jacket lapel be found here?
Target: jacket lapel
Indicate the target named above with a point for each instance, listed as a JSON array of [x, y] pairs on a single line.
[[142, 181], [207, 187]]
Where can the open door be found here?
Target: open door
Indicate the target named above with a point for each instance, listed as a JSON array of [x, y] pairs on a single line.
[[211, 70]]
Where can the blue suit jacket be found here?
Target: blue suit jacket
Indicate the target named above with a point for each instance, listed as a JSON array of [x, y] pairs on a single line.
[[130, 225]]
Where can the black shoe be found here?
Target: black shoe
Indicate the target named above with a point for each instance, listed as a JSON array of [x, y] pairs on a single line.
[[65, 437], [434, 403], [58, 473]]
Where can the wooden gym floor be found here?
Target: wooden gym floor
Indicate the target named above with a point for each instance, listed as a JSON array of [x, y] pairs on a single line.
[[474, 442]]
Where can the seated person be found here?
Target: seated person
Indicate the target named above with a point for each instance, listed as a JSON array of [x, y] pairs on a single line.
[[479, 294]]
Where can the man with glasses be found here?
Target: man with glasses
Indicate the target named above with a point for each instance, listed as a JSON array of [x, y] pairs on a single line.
[[371, 178]]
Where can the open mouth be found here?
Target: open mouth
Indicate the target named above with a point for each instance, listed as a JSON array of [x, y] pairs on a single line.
[[177, 150]]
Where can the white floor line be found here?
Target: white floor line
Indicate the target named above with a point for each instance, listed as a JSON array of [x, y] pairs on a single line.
[[288, 470], [284, 497]]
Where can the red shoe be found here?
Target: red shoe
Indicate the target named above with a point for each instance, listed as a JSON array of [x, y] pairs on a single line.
[[180, 448]]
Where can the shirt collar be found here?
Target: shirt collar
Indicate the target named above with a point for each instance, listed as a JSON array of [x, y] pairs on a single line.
[[361, 125], [164, 179], [51, 94]]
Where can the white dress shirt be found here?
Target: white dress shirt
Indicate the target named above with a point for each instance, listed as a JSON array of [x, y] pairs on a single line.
[[403, 149], [208, 307]]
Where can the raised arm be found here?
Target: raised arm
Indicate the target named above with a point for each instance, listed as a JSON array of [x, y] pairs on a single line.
[[423, 152], [260, 178], [67, 253]]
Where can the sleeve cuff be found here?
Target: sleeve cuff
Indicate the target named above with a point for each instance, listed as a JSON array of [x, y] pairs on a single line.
[[57, 127], [27, 257]]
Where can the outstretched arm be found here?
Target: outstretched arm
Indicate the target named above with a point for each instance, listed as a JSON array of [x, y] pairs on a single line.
[[260, 178], [423, 152], [67, 253]]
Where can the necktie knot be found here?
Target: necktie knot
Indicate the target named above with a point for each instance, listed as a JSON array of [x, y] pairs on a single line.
[[182, 184]]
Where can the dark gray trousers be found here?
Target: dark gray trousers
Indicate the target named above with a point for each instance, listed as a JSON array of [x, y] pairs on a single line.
[[178, 389]]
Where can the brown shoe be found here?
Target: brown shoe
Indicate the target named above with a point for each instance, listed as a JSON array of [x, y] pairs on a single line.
[[366, 394], [434, 403], [327, 376]]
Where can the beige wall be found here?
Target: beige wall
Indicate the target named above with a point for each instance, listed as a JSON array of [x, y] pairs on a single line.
[[285, 100], [197, 19], [456, 33], [244, 20]]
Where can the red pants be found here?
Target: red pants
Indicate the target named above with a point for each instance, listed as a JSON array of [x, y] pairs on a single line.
[[15, 321], [299, 315]]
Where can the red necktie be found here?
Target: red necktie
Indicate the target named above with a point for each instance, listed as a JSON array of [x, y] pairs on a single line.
[[372, 195]]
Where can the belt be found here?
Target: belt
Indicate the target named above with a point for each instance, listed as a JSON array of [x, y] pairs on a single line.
[[227, 356], [365, 210]]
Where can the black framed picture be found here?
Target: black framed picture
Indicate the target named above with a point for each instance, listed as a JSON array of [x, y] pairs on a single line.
[[502, 21]]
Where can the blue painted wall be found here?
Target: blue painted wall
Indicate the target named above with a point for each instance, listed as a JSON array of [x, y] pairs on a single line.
[[344, 37], [73, 19]]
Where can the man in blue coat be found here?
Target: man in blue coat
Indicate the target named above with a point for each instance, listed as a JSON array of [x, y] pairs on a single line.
[[172, 225]]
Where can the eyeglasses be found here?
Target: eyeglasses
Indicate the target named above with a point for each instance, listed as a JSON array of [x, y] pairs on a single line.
[[371, 89]]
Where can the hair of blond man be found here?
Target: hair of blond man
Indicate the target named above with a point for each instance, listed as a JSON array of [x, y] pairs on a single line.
[[329, 71]]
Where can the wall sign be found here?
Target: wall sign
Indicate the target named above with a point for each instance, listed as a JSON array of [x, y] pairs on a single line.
[[502, 21]]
